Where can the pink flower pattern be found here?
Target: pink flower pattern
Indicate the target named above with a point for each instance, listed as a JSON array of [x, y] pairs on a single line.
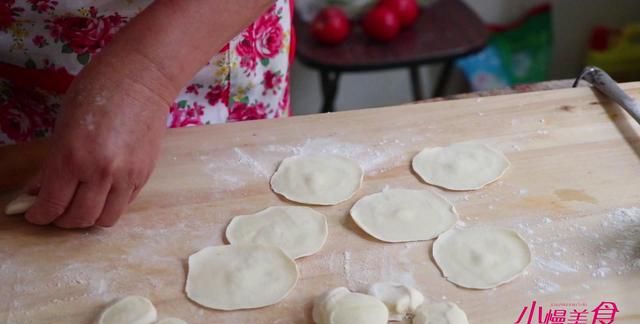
[[247, 79]]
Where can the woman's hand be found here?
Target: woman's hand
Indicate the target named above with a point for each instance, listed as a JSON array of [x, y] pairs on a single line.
[[108, 136], [103, 151]]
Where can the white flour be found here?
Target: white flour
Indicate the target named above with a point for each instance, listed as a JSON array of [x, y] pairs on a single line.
[[239, 167], [613, 239]]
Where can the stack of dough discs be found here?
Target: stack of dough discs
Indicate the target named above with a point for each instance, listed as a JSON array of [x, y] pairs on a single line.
[[129, 310], [231, 277], [399, 299], [463, 166], [298, 231], [402, 215], [340, 306], [440, 313], [317, 180], [481, 257], [171, 320]]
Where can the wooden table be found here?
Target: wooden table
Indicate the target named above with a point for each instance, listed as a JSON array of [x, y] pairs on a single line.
[[570, 192], [443, 32]]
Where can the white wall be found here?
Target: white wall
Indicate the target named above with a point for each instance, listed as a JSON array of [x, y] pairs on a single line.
[[572, 22]]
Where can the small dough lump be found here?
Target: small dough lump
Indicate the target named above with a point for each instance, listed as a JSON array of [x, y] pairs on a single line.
[[298, 231], [462, 166], [231, 277], [401, 300], [339, 306], [317, 180], [403, 215], [481, 257], [20, 205], [129, 310], [440, 313]]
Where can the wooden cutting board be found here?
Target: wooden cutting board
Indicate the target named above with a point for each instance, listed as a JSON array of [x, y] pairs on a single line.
[[571, 192]]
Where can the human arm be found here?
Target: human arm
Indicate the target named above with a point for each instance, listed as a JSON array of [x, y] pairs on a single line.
[[113, 116]]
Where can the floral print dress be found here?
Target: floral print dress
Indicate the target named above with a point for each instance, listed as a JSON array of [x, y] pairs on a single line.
[[45, 43]]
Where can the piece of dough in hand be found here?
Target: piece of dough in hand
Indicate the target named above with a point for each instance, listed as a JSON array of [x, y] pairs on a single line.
[[403, 215], [481, 257], [231, 277], [20, 205], [462, 166], [298, 231], [317, 179], [440, 313], [129, 310]]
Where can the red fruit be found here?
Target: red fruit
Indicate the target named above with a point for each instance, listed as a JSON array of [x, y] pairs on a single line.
[[407, 10], [381, 23], [331, 26]]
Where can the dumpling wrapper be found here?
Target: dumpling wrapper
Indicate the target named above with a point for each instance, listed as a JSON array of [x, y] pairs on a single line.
[[129, 310], [403, 215], [298, 231], [317, 179], [481, 257], [462, 166], [231, 277]]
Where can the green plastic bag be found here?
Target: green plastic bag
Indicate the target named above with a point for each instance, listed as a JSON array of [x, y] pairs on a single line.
[[517, 53]]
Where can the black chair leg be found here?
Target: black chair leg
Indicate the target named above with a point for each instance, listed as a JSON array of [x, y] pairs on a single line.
[[444, 79], [329, 81], [416, 82]]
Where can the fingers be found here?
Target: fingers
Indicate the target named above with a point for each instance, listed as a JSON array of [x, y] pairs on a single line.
[[54, 196], [114, 206], [86, 206]]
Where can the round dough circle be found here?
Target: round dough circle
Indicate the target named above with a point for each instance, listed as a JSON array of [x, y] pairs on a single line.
[[317, 180], [231, 277], [481, 257], [403, 215], [298, 231], [440, 313], [129, 310], [462, 166]]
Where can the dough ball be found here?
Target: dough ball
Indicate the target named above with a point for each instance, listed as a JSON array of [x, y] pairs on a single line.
[[481, 257], [231, 277], [339, 306], [463, 166], [20, 205], [298, 231], [440, 313], [403, 215], [399, 299], [317, 180], [129, 310]]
